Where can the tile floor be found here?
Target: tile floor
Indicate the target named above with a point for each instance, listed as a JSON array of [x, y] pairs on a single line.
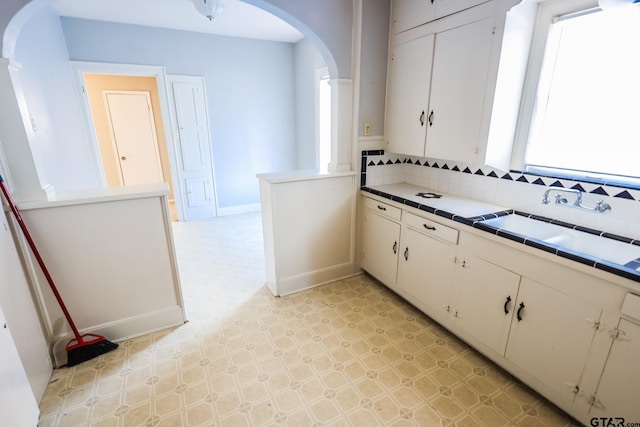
[[350, 353]]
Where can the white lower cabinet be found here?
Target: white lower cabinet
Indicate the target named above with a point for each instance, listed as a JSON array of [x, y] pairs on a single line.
[[381, 241], [485, 302], [551, 334], [549, 331], [425, 272], [18, 406], [619, 388]]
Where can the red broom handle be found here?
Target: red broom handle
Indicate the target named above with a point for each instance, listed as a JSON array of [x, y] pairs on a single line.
[[32, 245]]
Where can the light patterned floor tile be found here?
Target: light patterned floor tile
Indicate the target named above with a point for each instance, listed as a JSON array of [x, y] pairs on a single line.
[[350, 353]]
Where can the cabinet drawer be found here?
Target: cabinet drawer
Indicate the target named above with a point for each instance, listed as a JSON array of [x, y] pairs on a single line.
[[383, 209], [432, 228], [631, 306]]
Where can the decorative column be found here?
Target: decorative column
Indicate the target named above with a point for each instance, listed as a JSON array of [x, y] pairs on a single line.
[[341, 128], [26, 180]]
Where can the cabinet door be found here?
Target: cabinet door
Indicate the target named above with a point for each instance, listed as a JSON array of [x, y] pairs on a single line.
[[426, 271], [619, 388], [408, 85], [485, 302], [449, 7], [18, 406], [380, 247], [406, 14], [550, 335], [458, 83]]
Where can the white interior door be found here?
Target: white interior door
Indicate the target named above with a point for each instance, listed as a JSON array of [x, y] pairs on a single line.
[[133, 133], [193, 147]]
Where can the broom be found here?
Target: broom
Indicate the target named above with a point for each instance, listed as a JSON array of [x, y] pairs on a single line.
[[82, 347]]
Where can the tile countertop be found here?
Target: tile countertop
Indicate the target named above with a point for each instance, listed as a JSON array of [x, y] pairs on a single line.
[[472, 212], [448, 206]]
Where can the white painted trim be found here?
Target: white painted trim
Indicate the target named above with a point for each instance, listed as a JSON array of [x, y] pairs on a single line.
[[123, 329], [341, 124], [544, 15], [240, 209], [356, 60], [320, 74], [302, 282]]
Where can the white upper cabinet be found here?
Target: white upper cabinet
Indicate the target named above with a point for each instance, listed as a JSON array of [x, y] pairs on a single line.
[[408, 96], [407, 14], [447, 94], [458, 82], [435, 92]]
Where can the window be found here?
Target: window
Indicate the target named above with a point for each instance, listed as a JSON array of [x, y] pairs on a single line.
[[585, 103]]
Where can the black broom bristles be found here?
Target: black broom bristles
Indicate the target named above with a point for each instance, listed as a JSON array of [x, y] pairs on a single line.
[[87, 351]]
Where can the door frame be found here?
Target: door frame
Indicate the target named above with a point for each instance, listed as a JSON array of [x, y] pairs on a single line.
[[174, 135], [79, 68]]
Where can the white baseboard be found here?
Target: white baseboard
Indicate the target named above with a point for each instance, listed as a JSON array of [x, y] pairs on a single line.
[[124, 329], [301, 282], [240, 209]]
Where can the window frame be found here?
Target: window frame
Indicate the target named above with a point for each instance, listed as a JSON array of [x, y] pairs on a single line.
[[545, 14]]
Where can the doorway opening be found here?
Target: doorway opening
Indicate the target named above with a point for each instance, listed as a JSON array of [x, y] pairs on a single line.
[[127, 118]]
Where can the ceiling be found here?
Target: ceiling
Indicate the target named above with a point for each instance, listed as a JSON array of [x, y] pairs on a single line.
[[238, 19]]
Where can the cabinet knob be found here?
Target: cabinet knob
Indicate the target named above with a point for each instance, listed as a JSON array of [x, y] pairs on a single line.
[[395, 247], [431, 118], [422, 119], [519, 313], [429, 227], [123, 158], [406, 254]]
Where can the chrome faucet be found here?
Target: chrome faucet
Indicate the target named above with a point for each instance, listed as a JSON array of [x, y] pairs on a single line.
[[600, 206]]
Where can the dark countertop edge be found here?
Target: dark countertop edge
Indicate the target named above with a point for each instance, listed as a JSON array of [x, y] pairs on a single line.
[[477, 223]]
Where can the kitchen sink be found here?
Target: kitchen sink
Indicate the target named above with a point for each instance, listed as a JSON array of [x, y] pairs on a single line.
[[593, 245]]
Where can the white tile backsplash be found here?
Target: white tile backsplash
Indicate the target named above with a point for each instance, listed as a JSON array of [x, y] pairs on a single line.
[[624, 218]]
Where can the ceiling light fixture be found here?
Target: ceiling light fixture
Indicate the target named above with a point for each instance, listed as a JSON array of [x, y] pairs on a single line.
[[210, 8]]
